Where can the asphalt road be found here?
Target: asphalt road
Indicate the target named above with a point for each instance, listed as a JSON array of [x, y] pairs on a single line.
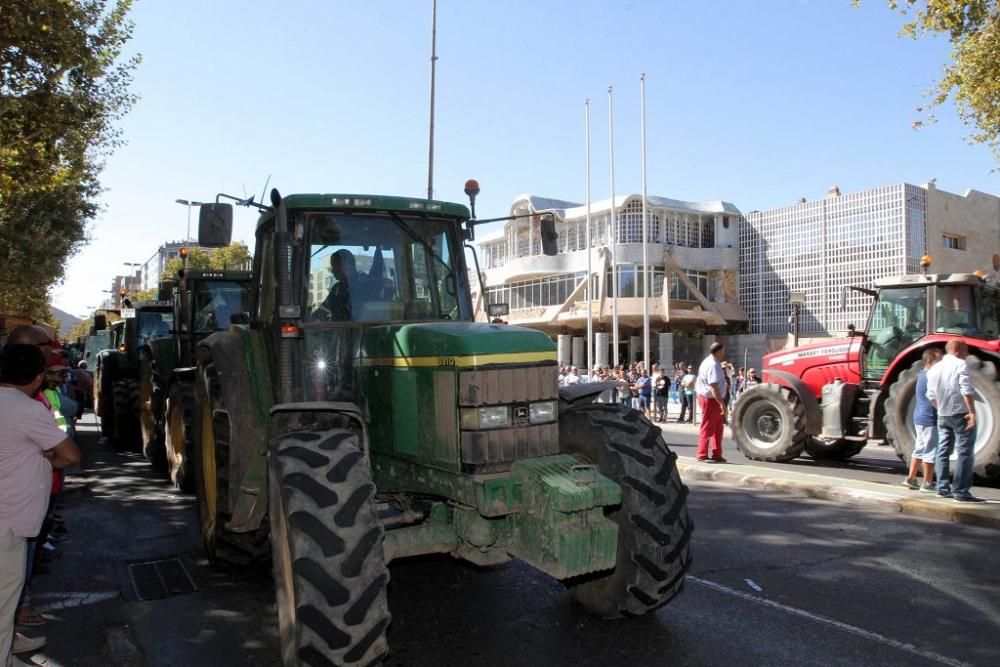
[[837, 586]]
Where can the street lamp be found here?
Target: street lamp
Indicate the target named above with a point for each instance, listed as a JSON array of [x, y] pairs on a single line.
[[189, 204]]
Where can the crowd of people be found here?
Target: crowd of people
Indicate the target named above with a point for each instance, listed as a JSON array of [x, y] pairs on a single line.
[[40, 398], [652, 391], [944, 420]]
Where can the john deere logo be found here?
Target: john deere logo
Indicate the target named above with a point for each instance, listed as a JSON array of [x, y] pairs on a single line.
[[520, 414]]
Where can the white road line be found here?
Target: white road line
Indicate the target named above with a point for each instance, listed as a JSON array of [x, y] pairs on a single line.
[[72, 600], [846, 627]]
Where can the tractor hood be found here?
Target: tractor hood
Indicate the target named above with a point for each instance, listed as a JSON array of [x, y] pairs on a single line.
[[459, 343], [835, 348]]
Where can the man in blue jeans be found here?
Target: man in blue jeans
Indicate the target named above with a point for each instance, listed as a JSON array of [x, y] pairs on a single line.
[[950, 391]]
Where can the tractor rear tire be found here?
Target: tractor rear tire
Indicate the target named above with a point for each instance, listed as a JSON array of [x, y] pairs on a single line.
[[326, 539], [126, 415], [212, 476], [899, 416], [768, 424], [654, 529], [179, 440], [151, 416], [840, 449]]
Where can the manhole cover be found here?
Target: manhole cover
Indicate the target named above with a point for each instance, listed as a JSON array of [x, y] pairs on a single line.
[[158, 579]]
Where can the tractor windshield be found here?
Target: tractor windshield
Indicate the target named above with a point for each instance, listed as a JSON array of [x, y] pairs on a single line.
[[968, 311], [153, 324], [383, 269], [898, 319], [217, 301]]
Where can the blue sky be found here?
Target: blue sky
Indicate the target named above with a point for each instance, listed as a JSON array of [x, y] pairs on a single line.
[[757, 103]]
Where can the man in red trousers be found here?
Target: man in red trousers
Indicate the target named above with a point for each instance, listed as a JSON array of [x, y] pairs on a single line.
[[710, 388]]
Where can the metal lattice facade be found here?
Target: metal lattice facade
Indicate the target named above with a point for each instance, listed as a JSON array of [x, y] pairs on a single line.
[[820, 247]]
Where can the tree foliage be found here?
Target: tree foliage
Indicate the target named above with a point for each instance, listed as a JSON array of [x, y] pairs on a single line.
[[235, 256], [972, 77], [63, 86]]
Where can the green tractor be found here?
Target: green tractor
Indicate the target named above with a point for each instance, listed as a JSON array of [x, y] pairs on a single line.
[[204, 302], [116, 378], [363, 415]]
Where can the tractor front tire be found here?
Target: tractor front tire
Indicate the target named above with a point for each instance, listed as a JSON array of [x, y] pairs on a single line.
[[654, 529], [179, 441], [126, 415], [768, 424], [213, 429], [151, 416], [326, 543]]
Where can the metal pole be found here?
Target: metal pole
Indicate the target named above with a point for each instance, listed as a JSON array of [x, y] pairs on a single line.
[[645, 230], [430, 150], [614, 228], [590, 278]]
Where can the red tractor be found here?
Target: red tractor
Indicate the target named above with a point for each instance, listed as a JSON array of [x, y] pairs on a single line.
[[829, 399]]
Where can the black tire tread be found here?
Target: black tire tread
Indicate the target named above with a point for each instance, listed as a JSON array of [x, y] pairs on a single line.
[[128, 435], [180, 399], [654, 526], [334, 541]]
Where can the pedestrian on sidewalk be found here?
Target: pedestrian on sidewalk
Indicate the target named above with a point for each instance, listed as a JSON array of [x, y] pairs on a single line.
[[925, 424], [711, 387], [687, 395], [950, 391], [31, 445], [661, 392]]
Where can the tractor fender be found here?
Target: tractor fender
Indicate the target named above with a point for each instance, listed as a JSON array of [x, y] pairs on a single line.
[[814, 418], [232, 356], [585, 392], [317, 415]]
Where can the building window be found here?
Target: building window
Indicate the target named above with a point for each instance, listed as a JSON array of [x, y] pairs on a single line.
[[953, 241]]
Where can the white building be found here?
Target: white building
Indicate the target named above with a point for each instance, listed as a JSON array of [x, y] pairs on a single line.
[[692, 253], [152, 269], [817, 248]]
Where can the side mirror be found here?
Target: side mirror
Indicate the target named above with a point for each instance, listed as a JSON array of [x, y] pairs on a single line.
[[550, 238], [100, 322], [215, 225]]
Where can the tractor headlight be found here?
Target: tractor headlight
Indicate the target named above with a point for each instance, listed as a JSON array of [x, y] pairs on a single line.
[[494, 416], [541, 412]]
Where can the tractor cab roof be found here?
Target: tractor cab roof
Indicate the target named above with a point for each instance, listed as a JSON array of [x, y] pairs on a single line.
[[914, 279], [350, 203]]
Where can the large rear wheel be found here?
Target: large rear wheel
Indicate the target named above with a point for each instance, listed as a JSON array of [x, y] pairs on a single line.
[[326, 539], [179, 441], [212, 477], [654, 529], [128, 436], [151, 415], [768, 424], [900, 403]]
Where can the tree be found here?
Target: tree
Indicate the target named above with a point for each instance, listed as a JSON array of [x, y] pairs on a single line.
[[235, 256], [63, 85], [972, 77]]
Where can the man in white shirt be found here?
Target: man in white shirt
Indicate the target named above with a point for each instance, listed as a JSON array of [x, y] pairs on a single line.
[[950, 391], [710, 387], [30, 446]]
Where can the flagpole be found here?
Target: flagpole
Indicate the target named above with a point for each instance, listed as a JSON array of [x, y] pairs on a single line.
[[614, 228], [590, 281], [430, 148], [645, 231]]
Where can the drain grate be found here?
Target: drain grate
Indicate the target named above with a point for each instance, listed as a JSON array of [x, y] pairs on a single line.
[[158, 579]]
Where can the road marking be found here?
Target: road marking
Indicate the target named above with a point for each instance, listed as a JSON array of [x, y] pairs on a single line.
[[846, 627], [72, 600], [752, 584]]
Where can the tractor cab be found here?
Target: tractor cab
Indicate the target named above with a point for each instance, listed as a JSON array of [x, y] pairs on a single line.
[[911, 307]]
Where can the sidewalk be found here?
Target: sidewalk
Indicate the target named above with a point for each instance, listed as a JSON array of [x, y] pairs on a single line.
[[872, 479]]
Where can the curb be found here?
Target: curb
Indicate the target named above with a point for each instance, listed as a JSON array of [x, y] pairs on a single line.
[[987, 514]]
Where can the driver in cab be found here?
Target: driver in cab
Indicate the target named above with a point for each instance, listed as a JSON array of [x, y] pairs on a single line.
[[337, 305]]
